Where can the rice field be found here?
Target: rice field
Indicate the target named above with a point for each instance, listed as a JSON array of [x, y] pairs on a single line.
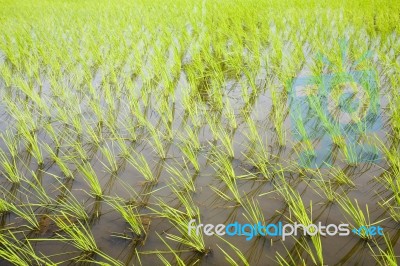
[[127, 124]]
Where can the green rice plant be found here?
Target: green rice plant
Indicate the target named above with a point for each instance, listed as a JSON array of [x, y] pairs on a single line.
[[291, 259], [157, 144], [212, 123], [80, 150], [301, 130], [54, 136], [20, 252], [226, 140], [4, 206], [165, 261], [223, 164], [79, 236], [187, 202], [232, 261], [232, 187], [91, 178], [190, 153], [181, 177], [130, 215], [293, 199], [67, 203], [35, 190], [325, 186], [252, 133], [385, 257], [278, 115], [392, 204], [230, 115], [317, 247], [65, 169], [340, 177], [181, 222], [191, 137], [95, 134], [139, 162], [10, 169], [357, 215], [32, 142], [259, 157], [12, 143], [253, 212], [27, 213], [108, 152], [350, 153], [298, 213]]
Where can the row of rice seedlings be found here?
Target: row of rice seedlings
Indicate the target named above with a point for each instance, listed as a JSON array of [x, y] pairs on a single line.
[[212, 69]]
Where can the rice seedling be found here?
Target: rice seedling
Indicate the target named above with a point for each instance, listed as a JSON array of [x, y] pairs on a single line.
[[108, 153], [239, 254], [226, 141], [182, 178], [10, 169], [91, 178], [299, 213], [182, 222], [253, 212], [130, 215], [386, 256], [32, 143], [325, 186], [140, 163], [260, 158], [191, 154], [357, 215], [65, 169], [27, 213], [392, 204], [178, 260], [340, 177], [81, 238], [20, 252]]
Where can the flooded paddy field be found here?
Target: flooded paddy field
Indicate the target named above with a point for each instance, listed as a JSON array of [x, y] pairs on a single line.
[[131, 131]]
